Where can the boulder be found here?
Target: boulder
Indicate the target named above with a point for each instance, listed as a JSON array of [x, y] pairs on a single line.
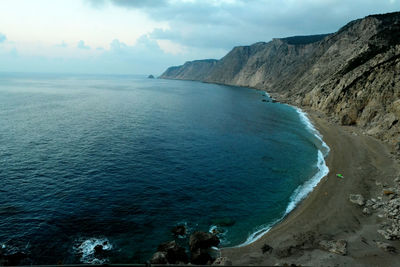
[[173, 252], [356, 199], [385, 234], [201, 256], [179, 230], [150, 76], [266, 248], [334, 246], [366, 211], [386, 247], [202, 240], [159, 258], [224, 261]]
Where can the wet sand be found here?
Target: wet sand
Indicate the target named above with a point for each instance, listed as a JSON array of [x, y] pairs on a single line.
[[327, 213]]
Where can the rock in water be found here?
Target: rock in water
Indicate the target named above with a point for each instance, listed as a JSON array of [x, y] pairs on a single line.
[[203, 240], [179, 230], [173, 252], [357, 199], [150, 76]]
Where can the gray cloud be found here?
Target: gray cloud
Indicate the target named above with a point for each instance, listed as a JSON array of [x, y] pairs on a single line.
[[128, 3], [81, 45], [3, 38], [224, 24]]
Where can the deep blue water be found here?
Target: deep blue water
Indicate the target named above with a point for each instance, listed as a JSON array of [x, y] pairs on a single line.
[[84, 159]]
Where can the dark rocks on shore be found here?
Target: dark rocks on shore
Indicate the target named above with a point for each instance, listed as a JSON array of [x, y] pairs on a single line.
[[334, 246], [159, 258], [201, 257], [179, 230], [150, 76], [200, 244], [203, 240], [17, 258], [266, 248], [170, 252]]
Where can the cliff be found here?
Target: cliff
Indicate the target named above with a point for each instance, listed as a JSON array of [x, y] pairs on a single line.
[[351, 75], [196, 70]]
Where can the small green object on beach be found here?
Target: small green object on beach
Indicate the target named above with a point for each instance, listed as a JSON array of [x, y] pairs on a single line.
[[339, 175]]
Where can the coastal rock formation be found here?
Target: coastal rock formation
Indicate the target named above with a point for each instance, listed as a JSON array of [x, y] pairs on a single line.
[[351, 75], [196, 70], [200, 244], [169, 252], [203, 240], [179, 231], [338, 247]]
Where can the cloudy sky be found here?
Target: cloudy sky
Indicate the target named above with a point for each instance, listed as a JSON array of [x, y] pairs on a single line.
[[147, 36]]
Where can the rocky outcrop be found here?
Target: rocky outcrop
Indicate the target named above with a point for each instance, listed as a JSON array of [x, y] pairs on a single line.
[[196, 70], [351, 75], [200, 244], [169, 252]]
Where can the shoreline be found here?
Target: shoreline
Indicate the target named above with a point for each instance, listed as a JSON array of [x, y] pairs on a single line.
[[326, 213], [303, 190]]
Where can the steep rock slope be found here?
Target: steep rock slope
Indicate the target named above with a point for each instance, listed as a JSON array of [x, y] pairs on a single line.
[[351, 75], [196, 70]]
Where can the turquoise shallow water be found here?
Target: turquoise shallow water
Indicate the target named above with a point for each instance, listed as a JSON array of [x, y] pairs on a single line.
[[123, 159]]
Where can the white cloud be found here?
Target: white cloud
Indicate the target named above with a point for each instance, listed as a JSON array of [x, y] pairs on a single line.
[[81, 45]]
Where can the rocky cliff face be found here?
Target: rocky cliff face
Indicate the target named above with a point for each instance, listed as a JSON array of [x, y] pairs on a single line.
[[352, 75], [196, 70]]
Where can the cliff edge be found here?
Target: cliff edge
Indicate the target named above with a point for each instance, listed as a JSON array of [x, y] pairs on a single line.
[[351, 75]]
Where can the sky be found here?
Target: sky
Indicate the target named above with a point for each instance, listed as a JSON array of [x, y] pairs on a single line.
[[147, 36]]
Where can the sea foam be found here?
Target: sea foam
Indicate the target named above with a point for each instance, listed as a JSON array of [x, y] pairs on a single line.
[[302, 190]]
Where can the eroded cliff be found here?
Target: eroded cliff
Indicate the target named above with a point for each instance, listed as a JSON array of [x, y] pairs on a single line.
[[352, 75]]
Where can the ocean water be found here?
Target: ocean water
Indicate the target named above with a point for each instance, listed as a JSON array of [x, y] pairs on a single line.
[[89, 159]]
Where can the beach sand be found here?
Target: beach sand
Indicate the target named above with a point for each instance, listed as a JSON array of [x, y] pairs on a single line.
[[327, 214]]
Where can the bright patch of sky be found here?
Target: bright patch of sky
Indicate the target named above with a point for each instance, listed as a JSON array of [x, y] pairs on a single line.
[[147, 36]]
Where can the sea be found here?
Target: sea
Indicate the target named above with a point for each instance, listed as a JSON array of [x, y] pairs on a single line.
[[119, 160]]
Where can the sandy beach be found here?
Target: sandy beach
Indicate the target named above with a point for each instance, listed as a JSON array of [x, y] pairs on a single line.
[[327, 215]]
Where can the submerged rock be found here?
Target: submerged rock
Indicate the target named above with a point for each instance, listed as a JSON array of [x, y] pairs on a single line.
[[224, 222]]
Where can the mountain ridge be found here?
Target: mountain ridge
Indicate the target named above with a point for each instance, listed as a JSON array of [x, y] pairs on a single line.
[[349, 75]]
